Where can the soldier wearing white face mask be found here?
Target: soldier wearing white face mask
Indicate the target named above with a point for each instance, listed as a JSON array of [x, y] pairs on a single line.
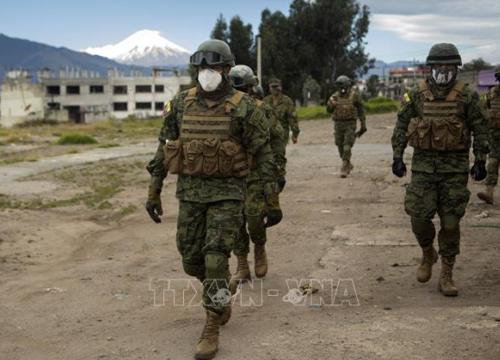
[[212, 136]]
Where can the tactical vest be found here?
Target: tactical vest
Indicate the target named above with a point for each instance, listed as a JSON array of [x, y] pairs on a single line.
[[494, 110], [345, 109], [441, 125], [206, 146]]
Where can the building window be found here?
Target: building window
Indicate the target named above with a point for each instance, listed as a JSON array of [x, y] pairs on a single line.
[[159, 88], [159, 106], [73, 90], [54, 106], [120, 106], [96, 89], [54, 90], [120, 90], [143, 105], [143, 88]]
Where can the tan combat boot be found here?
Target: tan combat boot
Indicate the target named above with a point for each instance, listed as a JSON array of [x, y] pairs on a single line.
[[487, 196], [344, 170], [446, 284], [209, 340], [242, 273], [226, 315], [429, 258], [260, 260], [349, 167]]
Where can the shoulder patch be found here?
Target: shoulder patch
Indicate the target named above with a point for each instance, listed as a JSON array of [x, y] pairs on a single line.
[[406, 98]]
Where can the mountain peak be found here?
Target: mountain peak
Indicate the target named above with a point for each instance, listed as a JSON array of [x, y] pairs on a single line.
[[146, 48]]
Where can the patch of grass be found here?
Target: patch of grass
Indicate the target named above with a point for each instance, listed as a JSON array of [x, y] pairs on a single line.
[[312, 112], [380, 105], [377, 105], [73, 151], [76, 139], [109, 145]]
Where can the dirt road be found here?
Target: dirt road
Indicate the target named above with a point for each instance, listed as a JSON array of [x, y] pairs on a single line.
[[73, 286]]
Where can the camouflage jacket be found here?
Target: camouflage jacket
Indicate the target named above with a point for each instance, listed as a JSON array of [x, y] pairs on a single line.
[[285, 111], [248, 124], [430, 161], [357, 102]]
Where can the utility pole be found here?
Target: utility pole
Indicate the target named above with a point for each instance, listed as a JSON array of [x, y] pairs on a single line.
[[259, 59]]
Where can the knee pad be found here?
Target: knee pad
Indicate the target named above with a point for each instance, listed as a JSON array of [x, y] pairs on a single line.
[[450, 222], [196, 270], [216, 266], [423, 229]]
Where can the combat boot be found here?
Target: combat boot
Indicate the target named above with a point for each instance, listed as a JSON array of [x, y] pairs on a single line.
[[429, 258], [349, 167], [446, 284], [209, 340], [487, 196], [260, 260], [344, 170], [242, 273], [226, 315]]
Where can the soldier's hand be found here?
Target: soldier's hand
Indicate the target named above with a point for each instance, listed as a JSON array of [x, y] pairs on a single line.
[[295, 139], [154, 209], [361, 131], [478, 171], [281, 183], [273, 217], [398, 167]]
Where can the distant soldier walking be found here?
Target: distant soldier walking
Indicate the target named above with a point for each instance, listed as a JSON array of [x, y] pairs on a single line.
[[493, 105], [346, 106]]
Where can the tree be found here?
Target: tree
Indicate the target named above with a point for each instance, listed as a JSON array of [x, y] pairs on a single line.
[[372, 86], [241, 42], [321, 38], [220, 29], [477, 65]]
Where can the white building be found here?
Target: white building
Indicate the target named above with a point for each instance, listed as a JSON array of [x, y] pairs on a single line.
[[83, 96]]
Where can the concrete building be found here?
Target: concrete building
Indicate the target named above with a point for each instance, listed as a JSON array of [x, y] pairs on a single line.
[[82, 96]]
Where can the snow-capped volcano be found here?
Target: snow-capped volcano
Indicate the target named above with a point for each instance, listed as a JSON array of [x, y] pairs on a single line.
[[144, 48]]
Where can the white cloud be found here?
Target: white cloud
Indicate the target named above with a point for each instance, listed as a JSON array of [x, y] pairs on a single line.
[[475, 36]]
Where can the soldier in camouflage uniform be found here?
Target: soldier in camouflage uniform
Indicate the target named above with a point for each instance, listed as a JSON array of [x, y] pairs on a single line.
[[209, 135], [259, 211], [346, 106], [437, 120], [493, 105], [285, 110]]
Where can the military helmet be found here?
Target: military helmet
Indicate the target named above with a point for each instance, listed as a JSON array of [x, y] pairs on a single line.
[[258, 91], [242, 76], [497, 70], [343, 80], [212, 52], [444, 54]]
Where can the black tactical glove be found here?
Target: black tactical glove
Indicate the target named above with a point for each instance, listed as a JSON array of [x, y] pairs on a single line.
[[153, 204], [273, 217], [478, 170], [398, 167], [281, 183], [361, 131]]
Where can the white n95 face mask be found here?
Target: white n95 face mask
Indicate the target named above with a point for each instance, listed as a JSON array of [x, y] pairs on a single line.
[[209, 79]]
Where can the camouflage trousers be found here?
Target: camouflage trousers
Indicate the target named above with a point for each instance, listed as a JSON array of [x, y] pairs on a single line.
[[445, 194], [345, 136], [206, 233], [494, 158], [253, 227]]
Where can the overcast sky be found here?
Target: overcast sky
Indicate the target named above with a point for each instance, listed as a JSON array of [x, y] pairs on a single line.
[[400, 29]]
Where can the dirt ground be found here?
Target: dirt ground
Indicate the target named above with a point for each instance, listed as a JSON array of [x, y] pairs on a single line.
[[81, 275]]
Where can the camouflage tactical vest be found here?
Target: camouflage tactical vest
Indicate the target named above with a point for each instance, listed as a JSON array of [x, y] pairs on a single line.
[[206, 146], [494, 110], [345, 109], [441, 125]]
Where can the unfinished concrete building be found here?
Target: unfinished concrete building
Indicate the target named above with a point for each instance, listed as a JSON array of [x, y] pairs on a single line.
[[84, 96]]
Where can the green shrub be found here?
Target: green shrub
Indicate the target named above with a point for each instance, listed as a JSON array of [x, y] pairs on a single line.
[[312, 112], [76, 139], [380, 105]]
